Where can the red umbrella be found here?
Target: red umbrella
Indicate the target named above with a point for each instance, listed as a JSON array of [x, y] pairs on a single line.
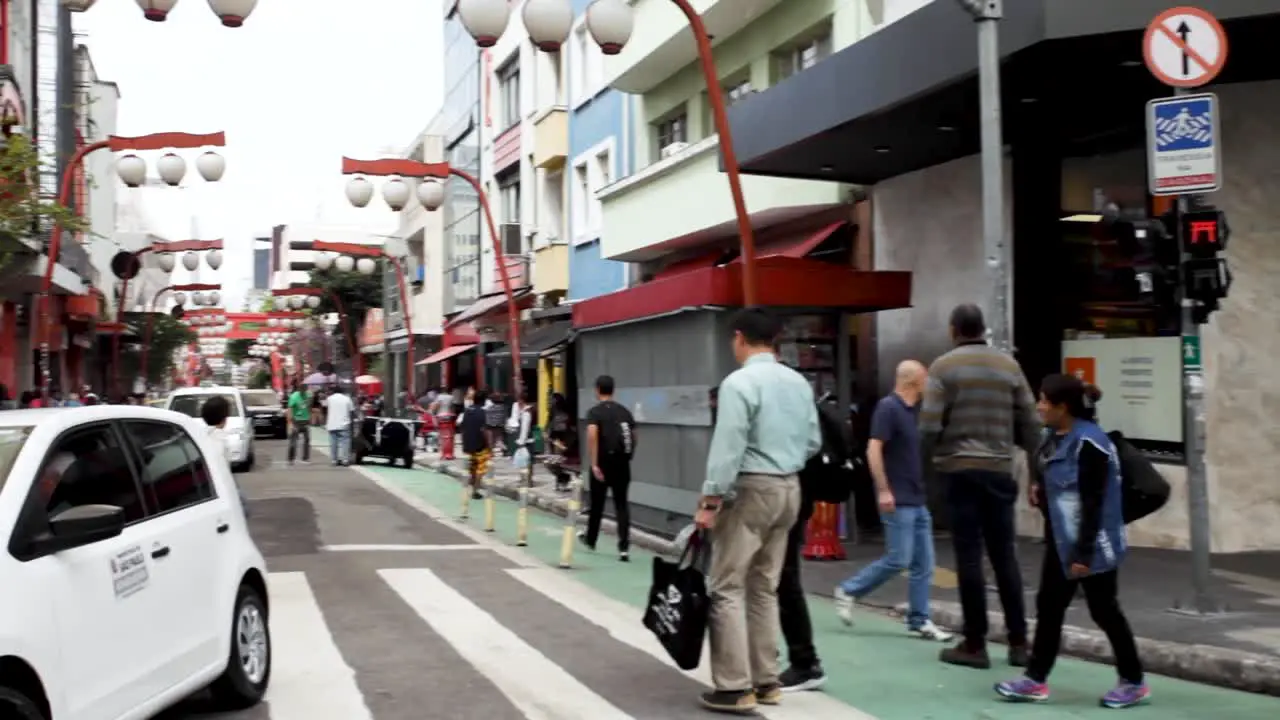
[[370, 383]]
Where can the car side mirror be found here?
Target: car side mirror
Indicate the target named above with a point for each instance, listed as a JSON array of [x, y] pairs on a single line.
[[79, 526]]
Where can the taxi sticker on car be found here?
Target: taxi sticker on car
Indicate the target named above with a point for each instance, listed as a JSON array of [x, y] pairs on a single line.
[[129, 571]]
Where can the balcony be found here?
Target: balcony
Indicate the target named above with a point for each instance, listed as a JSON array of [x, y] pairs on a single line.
[[662, 44], [696, 206], [551, 138], [551, 269]]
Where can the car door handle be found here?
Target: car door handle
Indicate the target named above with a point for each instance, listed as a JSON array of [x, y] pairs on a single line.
[[162, 551], [223, 527]]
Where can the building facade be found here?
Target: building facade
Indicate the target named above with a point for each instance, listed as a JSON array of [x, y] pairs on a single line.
[[459, 125], [600, 152], [908, 131]]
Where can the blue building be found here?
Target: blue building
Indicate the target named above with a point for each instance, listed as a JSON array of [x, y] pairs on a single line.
[[600, 153]]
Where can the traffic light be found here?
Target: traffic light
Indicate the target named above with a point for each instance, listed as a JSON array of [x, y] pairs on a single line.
[[1153, 251], [1206, 278]]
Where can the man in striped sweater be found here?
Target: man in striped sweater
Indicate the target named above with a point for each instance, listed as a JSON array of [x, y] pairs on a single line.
[[977, 409]]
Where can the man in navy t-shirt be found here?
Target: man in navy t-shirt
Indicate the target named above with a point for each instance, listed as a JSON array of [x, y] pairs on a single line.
[[893, 455]]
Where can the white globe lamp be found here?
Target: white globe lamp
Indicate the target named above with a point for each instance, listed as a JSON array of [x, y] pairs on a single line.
[[366, 266], [197, 298], [344, 263], [232, 13], [359, 191], [324, 261], [273, 322], [132, 170], [313, 301], [610, 23], [214, 258], [211, 166], [172, 168], [396, 194], [179, 298], [215, 297], [485, 20], [78, 5], [431, 194], [156, 10], [295, 302], [190, 260], [548, 23], [166, 262]]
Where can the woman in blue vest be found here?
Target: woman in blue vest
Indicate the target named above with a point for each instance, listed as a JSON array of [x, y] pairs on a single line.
[[1078, 490]]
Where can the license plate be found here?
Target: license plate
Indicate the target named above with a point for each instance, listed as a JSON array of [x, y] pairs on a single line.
[[262, 421]]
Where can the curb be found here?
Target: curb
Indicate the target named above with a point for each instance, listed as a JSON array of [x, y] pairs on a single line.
[[1222, 667]]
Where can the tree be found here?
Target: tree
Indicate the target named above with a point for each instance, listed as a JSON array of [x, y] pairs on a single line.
[[23, 209], [237, 350], [167, 335], [358, 293], [260, 379]]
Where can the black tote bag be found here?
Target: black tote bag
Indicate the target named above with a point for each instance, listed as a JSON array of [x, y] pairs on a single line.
[[678, 606]]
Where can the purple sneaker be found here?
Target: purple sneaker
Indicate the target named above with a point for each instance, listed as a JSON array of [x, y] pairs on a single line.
[[1023, 689], [1124, 695]]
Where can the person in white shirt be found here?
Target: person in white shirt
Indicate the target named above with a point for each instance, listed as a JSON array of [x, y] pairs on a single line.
[[214, 412], [339, 408]]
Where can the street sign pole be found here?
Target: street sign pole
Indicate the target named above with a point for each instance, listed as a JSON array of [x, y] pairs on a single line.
[[987, 15], [1185, 48]]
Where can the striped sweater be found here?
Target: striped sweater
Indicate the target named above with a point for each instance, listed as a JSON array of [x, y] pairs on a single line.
[[977, 408]]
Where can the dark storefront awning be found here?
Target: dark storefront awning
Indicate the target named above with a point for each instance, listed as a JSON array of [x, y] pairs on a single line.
[[784, 282], [533, 343], [445, 354], [905, 97], [492, 304]]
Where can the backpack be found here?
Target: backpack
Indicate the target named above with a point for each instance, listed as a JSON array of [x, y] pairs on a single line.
[[830, 475], [1143, 490], [615, 432]]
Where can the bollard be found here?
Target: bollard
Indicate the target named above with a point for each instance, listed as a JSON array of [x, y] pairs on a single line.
[[466, 501], [522, 519], [490, 506], [570, 525], [446, 435]]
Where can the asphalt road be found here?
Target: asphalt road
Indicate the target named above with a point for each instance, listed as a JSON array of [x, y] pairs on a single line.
[[381, 611]]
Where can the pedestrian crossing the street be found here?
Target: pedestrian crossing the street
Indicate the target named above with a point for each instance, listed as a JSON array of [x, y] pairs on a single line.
[[539, 646]]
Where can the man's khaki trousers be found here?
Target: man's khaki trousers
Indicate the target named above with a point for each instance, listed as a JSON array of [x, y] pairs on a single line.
[[749, 544]]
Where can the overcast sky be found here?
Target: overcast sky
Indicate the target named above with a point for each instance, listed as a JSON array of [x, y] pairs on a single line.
[[303, 83]]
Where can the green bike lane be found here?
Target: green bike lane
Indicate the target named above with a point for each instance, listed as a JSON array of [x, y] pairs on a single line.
[[874, 666]]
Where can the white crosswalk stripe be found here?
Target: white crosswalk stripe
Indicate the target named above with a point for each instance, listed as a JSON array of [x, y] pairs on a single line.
[[312, 680]]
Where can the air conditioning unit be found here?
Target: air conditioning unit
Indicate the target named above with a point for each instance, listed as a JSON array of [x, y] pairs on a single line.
[[674, 148], [512, 238]]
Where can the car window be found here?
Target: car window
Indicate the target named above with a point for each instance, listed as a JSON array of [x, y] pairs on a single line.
[[190, 405], [89, 467], [11, 441], [261, 399], [174, 473]]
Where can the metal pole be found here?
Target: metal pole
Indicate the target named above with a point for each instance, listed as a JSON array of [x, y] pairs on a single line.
[[987, 15], [1193, 424]]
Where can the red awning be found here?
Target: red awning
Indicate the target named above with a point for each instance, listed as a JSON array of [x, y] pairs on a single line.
[[445, 354], [783, 282], [700, 262], [797, 246], [492, 304]]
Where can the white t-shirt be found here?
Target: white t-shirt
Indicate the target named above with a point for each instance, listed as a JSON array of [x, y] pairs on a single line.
[[339, 408], [220, 437]]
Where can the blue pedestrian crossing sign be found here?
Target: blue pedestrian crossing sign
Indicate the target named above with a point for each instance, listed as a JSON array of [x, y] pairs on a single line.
[[1183, 152]]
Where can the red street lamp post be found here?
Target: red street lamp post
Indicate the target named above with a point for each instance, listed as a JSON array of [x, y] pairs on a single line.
[[610, 22], [361, 258], [431, 195], [133, 172], [312, 300], [179, 297], [127, 265]]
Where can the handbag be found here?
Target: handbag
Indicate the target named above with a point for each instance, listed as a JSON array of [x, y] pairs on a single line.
[[678, 607], [1143, 490], [521, 459]]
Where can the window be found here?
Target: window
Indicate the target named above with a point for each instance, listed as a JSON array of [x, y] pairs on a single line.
[[174, 473], [604, 169], [509, 94], [582, 198], [673, 130], [803, 55], [592, 172], [509, 197], [586, 72], [551, 221], [190, 405], [89, 467]]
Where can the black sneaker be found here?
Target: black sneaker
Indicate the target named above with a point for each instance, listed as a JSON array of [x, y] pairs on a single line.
[[797, 679], [582, 538], [727, 701], [624, 556]]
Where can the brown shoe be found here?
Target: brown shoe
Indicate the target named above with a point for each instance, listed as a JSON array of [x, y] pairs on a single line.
[[742, 702], [963, 656], [1019, 655], [769, 694]]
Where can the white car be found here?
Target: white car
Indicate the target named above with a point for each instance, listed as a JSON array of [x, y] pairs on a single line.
[[132, 579], [239, 432]]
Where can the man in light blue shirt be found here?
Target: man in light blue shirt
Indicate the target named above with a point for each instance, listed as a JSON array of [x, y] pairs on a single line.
[[766, 430]]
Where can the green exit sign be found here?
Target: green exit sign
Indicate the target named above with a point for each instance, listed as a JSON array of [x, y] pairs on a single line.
[[1191, 353]]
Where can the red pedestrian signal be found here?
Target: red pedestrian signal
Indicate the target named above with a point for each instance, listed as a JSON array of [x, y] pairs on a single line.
[[1205, 233]]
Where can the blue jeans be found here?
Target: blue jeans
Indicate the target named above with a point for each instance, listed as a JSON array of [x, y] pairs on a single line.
[[340, 446], [908, 540]]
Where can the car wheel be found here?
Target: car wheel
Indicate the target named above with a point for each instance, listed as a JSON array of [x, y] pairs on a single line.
[[408, 460], [248, 672], [16, 705]]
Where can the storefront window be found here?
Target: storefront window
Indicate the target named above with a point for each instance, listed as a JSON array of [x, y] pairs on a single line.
[[808, 344]]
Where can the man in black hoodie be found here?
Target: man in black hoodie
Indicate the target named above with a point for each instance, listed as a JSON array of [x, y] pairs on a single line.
[[475, 442]]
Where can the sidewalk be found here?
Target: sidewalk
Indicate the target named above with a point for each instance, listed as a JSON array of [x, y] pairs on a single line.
[[1239, 649]]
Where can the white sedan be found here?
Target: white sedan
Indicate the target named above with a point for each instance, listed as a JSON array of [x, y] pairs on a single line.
[[132, 579]]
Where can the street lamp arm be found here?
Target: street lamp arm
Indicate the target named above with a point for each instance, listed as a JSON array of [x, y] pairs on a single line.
[[404, 167], [348, 322], [163, 141], [720, 116]]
